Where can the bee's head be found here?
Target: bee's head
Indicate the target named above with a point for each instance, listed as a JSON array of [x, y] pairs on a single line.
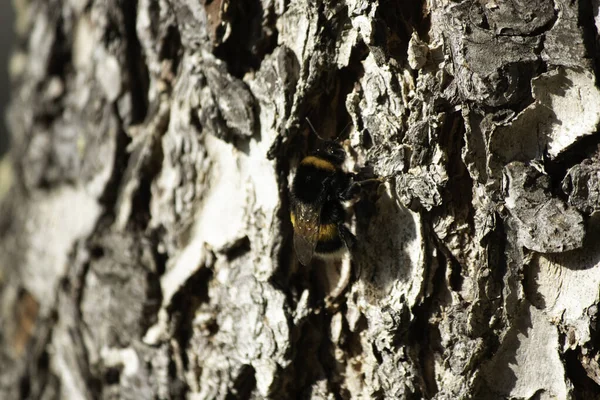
[[332, 152]]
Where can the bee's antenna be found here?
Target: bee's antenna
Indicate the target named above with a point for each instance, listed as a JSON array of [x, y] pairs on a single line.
[[313, 129], [320, 137], [343, 130]]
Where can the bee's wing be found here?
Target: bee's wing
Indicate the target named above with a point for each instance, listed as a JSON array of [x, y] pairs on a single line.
[[306, 231]]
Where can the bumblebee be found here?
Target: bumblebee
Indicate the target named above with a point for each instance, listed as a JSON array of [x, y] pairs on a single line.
[[317, 214]]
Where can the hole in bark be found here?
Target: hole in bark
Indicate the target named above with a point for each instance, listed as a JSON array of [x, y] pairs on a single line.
[[112, 376], [109, 196], [376, 353], [140, 210], [25, 386], [422, 338], [160, 258], [285, 253], [171, 48], [195, 120], [96, 252], [585, 387], [184, 304], [306, 366], [588, 11], [397, 20], [244, 384], [44, 361], [497, 261], [456, 278], [60, 55], [458, 194], [249, 40], [366, 140], [238, 249], [325, 104], [329, 366], [137, 70]]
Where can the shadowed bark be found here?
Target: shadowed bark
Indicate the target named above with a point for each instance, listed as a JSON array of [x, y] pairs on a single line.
[[145, 240]]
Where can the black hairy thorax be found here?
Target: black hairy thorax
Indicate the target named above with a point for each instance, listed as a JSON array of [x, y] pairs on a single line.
[[308, 185]]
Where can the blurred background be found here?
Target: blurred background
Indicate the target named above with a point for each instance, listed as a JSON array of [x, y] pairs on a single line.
[[6, 37]]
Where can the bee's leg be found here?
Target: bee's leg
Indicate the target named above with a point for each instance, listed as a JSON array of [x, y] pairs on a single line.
[[356, 188], [345, 273], [332, 213], [347, 237]]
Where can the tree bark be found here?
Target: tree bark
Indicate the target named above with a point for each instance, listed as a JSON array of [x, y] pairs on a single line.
[[145, 240]]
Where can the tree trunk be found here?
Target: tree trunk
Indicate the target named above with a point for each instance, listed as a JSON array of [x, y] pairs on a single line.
[[145, 242]]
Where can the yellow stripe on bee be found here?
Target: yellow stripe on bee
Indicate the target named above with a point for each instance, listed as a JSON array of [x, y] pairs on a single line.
[[318, 162], [293, 218], [327, 232]]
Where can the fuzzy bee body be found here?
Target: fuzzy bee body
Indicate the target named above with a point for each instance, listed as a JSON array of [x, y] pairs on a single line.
[[317, 214]]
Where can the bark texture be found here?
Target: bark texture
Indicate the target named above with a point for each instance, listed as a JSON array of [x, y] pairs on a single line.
[[145, 242]]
